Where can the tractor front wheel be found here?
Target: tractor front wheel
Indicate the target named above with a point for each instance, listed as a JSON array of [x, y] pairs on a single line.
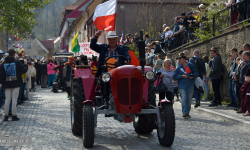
[[166, 131], [76, 106], [88, 126], [145, 123]]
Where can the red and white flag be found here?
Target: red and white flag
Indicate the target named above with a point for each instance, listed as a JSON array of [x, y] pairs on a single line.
[[105, 15]]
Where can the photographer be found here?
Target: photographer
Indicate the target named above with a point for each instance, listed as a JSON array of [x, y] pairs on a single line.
[[11, 79]]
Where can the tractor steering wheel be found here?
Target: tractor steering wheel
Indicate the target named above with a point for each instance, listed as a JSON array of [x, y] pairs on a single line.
[[119, 63]]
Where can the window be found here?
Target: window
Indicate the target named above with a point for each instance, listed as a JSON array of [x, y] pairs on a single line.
[[34, 57], [22, 45], [28, 45]]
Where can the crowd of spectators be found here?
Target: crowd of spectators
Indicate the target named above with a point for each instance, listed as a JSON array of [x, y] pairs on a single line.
[[181, 76], [19, 75]]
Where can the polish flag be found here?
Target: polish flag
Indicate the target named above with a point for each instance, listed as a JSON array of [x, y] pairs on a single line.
[[105, 16]]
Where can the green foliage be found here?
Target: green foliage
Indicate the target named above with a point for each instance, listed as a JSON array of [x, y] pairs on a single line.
[[244, 23], [222, 19], [134, 49], [18, 16]]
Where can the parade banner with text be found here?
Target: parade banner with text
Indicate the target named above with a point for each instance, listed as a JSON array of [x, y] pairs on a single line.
[[85, 50]]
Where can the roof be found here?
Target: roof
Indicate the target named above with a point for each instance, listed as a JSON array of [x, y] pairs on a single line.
[[69, 7], [57, 39], [79, 2], [42, 46], [75, 13], [49, 44]]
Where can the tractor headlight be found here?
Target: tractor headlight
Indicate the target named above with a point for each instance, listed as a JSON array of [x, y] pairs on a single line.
[[106, 77], [150, 75]]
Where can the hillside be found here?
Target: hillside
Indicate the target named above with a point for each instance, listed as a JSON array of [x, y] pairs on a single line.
[[49, 19]]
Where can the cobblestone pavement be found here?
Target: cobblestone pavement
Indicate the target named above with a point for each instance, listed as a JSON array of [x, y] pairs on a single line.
[[46, 119]]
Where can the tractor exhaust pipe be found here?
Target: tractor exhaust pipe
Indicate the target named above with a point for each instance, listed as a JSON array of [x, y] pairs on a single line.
[[141, 46]]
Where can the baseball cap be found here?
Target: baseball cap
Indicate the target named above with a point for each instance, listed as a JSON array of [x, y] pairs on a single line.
[[169, 54], [182, 57]]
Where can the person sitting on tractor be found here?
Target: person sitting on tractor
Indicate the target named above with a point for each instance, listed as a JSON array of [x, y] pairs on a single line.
[[94, 64], [59, 68], [109, 50]]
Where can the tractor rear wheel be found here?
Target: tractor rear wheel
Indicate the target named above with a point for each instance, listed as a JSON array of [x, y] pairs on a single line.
[[76, 106], [88, 126], [145, 123], [166, 132], [54, 88]]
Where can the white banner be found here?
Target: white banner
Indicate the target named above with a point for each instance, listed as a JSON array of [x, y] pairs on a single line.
[[85, 50]]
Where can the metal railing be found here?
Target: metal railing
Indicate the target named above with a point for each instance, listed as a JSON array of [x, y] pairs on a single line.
[[227, 18], [232, 16]]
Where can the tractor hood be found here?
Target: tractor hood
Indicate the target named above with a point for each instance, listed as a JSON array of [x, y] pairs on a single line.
[[127, 88]]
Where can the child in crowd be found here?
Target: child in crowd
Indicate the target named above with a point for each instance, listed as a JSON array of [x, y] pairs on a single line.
[[175, 85]]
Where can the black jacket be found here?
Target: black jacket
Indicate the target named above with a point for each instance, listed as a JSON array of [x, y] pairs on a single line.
[[38, 67], [43, 69], [158, 49], [20, 69], [102, 49]]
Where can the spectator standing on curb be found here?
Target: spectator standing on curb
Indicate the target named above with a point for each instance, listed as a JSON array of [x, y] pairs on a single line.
[[206, 60], [234, 54], [167, 75], [38, 73], [200, 65], [44, 76], [244, 66], [159, 63], [215, 76], [237, 86], [169, 56], [33, 76], [245, 103], [175, 86], [11, 83], [51, 73], [185, 75]]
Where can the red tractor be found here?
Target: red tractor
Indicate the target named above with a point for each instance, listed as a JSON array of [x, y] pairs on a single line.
[[127, 94]]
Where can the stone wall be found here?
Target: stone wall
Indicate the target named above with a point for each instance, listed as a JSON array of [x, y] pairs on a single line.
[[235, 38]]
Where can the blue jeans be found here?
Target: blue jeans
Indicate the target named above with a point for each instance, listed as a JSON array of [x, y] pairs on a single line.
[[52, 78], [206, 87], [10, 110], [197, 95], [187, 95], [232, 92], [20, 94], [151, 58], [2, 97]]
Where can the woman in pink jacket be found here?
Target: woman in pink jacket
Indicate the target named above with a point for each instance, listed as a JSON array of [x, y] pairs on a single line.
[[51, 73]]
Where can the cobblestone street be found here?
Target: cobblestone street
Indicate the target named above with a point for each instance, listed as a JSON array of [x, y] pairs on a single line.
[[46, 119]]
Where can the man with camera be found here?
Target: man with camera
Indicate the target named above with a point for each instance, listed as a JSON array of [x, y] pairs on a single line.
[[11, 79]]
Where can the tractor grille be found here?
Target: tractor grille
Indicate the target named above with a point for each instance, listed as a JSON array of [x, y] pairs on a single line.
[[123, 91], [135, 91]]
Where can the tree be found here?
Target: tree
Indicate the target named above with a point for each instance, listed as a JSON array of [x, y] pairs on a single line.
[[18, 16]]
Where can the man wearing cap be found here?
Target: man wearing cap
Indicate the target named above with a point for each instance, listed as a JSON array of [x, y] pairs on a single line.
[[185, 74], [108, 50], [169, 56]]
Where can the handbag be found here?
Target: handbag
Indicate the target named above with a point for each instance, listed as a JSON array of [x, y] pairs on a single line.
[[160, 86]]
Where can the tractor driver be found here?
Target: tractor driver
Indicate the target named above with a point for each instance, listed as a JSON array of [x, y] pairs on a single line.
[[109, 50]]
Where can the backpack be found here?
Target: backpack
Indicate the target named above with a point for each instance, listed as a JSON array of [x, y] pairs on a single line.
[[10, 70], [198, 63]]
